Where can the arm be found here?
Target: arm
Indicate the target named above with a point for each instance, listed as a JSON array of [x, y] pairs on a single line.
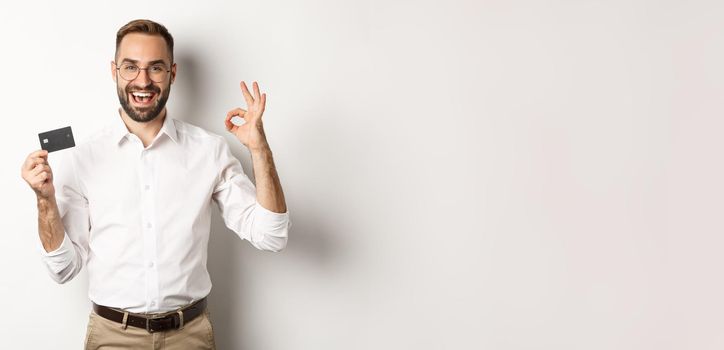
[[37, 173], [50, 228], [62, 255], [268, 187], [256, 214]]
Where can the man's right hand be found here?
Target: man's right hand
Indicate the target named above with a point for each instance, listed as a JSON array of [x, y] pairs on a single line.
[[37, 173]]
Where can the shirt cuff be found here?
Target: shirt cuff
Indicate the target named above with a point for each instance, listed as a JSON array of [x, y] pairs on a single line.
[[58, 259], [269, 221]]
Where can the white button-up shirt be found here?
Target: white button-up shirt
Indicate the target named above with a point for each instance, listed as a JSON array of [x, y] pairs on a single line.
[[139, 218]]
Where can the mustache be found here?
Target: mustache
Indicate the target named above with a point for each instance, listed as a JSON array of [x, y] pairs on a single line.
[[150, 87]]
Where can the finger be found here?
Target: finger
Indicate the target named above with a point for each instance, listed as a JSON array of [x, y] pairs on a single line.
[[227, 122], [38, 153], [42, 154], [257, 93], [229, 125], [37, 157], [35, 171], [42, 177], [39, 169], [263, 101], [240, 112], [247, 95], [30, 163], [39, 179], [39, 160], [233, 113]]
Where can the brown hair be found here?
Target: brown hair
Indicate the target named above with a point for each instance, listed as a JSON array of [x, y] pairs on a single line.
[[147, 27]]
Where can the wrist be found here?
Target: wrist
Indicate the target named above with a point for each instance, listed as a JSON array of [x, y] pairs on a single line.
[[45, 202], [260, 149], [43, 199]]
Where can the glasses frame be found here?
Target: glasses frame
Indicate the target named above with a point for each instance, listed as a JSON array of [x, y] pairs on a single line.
[[118, 69]]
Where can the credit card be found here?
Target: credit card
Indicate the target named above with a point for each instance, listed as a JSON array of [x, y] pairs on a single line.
[[56, 140]]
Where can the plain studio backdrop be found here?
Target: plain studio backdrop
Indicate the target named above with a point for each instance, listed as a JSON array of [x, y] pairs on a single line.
[[460, 174]]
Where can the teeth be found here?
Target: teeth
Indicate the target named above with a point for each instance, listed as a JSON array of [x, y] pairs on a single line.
[[141, 94]]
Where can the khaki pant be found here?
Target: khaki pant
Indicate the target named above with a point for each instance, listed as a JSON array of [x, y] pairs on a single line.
[[103, 334]]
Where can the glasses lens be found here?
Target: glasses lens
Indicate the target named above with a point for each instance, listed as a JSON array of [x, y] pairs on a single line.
[[129, 71], [156, 73]]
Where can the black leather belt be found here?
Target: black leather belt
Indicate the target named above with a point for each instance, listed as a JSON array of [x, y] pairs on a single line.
[[154, 324]]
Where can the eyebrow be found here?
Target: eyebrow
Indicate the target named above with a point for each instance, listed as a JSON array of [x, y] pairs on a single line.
[[136, 61]]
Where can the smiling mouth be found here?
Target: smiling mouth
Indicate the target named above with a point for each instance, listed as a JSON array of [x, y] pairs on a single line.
[[142, 98]]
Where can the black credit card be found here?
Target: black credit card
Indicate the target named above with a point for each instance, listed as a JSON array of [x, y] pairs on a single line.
[[56, 140]]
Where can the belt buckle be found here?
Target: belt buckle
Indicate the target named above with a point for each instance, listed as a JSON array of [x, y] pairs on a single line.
[[176, 323]]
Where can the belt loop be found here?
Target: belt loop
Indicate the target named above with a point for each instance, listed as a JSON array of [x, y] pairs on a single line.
[[181, 319], [124, 324]]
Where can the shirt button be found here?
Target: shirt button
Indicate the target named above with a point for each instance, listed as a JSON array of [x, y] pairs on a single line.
[[150, 264], [147, 187], [148, 225], [153, 303]]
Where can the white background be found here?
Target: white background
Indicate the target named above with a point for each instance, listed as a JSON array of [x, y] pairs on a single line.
[[460, 174]]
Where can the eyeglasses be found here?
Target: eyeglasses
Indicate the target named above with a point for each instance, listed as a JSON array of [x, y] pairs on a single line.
[[157, 72]]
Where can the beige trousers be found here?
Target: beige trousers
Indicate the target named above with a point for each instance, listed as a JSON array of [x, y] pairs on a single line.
[[103, 334]]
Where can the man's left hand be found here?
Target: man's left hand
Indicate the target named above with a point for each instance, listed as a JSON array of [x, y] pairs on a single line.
[[251, 133]]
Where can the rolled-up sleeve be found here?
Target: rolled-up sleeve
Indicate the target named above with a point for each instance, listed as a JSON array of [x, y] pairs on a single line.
[[66, 261], [235, 196]]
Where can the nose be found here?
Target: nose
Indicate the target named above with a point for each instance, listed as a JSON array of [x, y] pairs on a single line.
[[143, 79]]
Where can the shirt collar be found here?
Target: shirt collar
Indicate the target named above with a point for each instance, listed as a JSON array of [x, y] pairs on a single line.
[[169, 128], [120, 131]]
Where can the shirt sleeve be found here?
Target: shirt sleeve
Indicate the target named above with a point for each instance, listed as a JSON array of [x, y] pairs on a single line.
[[66, 261], [235, 196]]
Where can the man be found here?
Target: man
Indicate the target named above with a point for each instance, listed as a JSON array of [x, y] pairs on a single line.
[[133, 204]]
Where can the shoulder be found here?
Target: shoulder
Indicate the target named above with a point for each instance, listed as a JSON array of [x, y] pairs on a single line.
[[193, 133], [197, 138]]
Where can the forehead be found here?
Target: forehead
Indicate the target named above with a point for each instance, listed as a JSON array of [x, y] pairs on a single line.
[[143, 48]]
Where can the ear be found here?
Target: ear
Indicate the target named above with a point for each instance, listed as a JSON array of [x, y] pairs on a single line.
[[113, 71], [173, 73]]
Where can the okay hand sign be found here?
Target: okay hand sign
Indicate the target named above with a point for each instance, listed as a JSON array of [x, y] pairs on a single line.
[[251, 133]]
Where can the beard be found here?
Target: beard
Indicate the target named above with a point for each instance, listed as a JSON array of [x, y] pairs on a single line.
[[143, 114]]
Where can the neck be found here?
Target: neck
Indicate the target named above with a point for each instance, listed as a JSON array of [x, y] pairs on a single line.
[[145, 131]]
